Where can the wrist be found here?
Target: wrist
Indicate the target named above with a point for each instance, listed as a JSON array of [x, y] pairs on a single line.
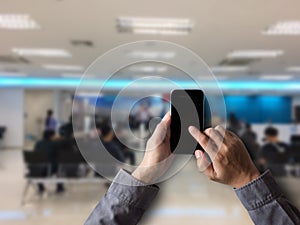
[[246, 178], [142, 174]]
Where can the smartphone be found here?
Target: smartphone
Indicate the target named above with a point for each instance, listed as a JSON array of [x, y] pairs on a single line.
[[187, 109]]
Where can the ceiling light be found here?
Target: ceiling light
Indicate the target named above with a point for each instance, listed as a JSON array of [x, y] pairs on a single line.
[[229, 69], [291, 27], [255, 54], [222, 77], [164, 26], [151, 55], [149, 69], [162, 32], [17, 22], [11, 74], [44, 52], [63, 67], [276, 77], [293, 69], [78, 75]]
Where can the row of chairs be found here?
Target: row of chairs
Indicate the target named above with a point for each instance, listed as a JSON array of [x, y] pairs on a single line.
[[68, 167]]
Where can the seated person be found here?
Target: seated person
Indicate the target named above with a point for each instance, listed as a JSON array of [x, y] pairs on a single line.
[[107, 138], [231, 165], [274, 153], [128, 153], [49, 145], [249, 138]]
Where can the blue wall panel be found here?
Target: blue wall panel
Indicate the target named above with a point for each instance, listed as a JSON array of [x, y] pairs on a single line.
[[260, 109]]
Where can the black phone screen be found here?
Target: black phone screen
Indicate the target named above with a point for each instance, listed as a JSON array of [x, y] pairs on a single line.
[[187, 108]]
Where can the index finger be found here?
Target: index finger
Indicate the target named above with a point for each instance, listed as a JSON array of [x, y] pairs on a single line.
[[206, 143]]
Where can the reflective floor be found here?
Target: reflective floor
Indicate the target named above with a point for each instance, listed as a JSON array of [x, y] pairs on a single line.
[[187, 198]]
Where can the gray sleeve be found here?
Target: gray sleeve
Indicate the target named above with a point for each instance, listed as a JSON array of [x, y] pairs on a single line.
[[123, 204], [266, 204]]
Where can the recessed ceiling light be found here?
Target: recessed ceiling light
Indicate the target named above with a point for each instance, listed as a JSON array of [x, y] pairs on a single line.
[[162, 32], [72, 75], [276, 77], [10, 74], [229, 69], [17, 22], [288, 27], [151, 55], [255, 54], [63, 67], [44, 52], [164, 26], [149, 69], [293, 69]]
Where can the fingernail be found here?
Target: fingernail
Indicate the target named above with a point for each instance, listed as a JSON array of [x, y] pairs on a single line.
[[197, 154], [192, 129]]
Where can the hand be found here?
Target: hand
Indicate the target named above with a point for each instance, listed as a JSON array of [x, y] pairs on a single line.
[[231, 163], [157, 156]]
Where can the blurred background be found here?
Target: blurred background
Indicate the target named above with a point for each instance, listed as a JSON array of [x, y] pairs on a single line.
[[250, 46]]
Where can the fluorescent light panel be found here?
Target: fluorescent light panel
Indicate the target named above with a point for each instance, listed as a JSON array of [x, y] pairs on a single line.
[[229, 69], [255, 54], [151, 55], [11, 74], [44, 52], [164, 26], [149, 69], [293, 69], [77, 75], [276, 77], [288, 27], [17, 22], [63, 67]]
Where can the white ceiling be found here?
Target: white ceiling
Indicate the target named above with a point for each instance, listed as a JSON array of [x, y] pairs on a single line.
[[220, 27]]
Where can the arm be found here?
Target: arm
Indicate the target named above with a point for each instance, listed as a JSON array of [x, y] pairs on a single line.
[[123, 204], [265, 202], [231, 165], [130, 195]]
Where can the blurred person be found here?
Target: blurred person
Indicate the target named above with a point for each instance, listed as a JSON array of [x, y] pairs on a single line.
[[249, 138], [231, 165], [66, 130], [128, 153], [143, 115], [50, 121], [274, 153], [50, 146], [234, 124], [107, 138]]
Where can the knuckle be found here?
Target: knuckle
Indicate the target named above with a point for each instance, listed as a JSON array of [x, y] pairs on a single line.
[[219, 157], [219, 127], [209, 131]]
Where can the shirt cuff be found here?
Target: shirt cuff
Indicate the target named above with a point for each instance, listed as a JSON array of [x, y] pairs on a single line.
[[259, 192], [132, 191]]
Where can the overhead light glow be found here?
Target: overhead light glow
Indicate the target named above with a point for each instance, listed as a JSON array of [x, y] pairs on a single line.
[[276, 77], [63, 67], [291, 27], [228, 69], [151, 55], [11, 74], [17, 22], [163, 26], [44, 52], [76, 75], [149, 69], [255, 54], [293, 69]]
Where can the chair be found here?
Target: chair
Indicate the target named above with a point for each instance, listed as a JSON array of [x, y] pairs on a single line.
[[71, 164], [38, 166], [2, 132]]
